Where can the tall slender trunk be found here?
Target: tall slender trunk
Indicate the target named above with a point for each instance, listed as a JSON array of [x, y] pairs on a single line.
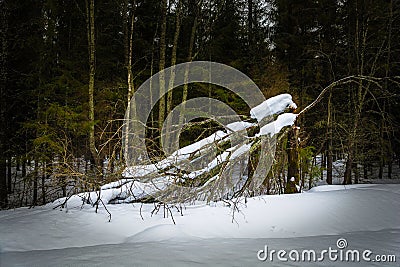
[[130, 55], [92, 70], [3, 80], [250, 22], [173, 62], [44, 176], [365, 170], [387, 72], [329, 143], [35, 183], [152, 95], [173, 56], [293, 174], [23, 167], [189, 59], [3, 183], [356, 172], [382, 150], [350, 153], [9, 173], [161, 65], [360, 46], [128, 60]]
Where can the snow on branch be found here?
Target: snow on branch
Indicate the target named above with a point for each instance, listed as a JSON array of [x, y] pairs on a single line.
[[223, 169]]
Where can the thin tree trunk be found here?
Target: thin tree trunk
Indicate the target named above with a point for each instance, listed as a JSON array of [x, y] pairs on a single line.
[[173, 62], [360, 46], [9, 173], [23, 167], [387, 73], [322, 165], [64, 187], [329, 143], [382, 151], [310, 180], [35, 183], [3, 183], [92, 71], [356, 172], [161, 66], [152, 95], [189, 59], [3, 79], [173, 56], [293, 175], [250, 22], [349, 162], [44, 175], [129, 56], [18, 163], [365, 170]]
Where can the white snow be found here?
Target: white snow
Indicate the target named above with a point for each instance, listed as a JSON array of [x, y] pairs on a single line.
[[210, 234], [176, 157], [218, 159], [239, 151], [283, 120], [317, 212], [367, 215], [187, 150], [273, 105], [239, 125]]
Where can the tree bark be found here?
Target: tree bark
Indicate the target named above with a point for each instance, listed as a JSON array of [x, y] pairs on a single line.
[[250, 22], [387, 73], [360, 42], [329, 143], [189, 59], [92, 70], [35, 183], [128, 60], [3, 183], [293, 175], [44, 176], [3, 77], [381, 150], [130, 55], [173, 62], [9, 173], [161, 66]]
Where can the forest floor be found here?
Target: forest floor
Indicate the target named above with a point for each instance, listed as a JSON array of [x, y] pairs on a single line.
[[365, 215]]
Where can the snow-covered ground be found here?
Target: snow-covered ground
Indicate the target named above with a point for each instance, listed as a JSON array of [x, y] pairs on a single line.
[[367, 216]]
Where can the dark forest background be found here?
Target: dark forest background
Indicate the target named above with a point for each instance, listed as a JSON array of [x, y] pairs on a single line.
[[68, 68]]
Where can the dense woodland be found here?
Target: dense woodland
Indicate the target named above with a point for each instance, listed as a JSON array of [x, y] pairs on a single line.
[[69, 68]]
